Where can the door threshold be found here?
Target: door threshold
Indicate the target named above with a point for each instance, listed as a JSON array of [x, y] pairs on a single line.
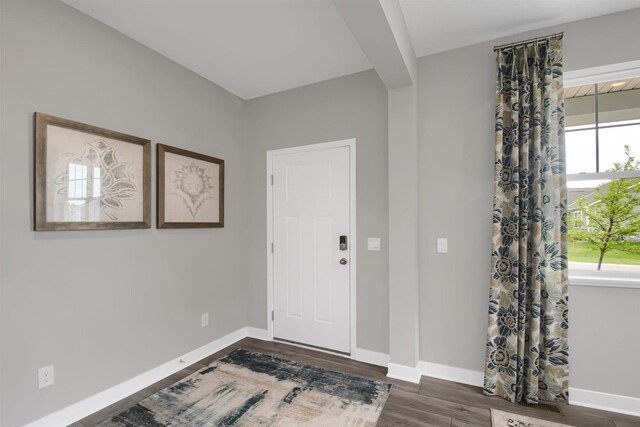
[[313, 347]]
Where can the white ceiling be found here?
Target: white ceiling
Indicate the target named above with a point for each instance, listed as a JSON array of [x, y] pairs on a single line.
[[439, 25], [249, 47], [257, 47]]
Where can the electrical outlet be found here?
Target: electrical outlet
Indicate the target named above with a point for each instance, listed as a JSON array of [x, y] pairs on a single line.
[[205, 319], [442, 245], [45, 376]]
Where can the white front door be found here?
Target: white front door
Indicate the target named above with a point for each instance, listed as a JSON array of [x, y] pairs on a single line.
[[311, 273]]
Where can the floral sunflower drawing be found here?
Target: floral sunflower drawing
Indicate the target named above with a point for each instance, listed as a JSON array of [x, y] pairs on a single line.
[[193, 186]]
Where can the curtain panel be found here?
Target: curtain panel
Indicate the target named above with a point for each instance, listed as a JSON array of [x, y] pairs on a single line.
[[527, 352]]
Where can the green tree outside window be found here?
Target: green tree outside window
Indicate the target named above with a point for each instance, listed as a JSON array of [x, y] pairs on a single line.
[[613, 213]]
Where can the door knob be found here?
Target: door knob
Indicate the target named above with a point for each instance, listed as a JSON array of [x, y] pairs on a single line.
[[343, 261]]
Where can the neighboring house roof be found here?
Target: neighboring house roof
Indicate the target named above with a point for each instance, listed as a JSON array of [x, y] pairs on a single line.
[[575, 194]]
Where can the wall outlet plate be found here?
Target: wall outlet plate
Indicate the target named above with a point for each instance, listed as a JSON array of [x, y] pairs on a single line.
[[205, 319], [442, 245], [45, 376]]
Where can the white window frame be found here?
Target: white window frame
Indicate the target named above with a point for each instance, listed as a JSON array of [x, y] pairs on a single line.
[[621, 71]]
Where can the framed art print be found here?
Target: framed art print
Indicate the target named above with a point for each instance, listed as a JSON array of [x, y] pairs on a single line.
[[89, 178], [190, 189]]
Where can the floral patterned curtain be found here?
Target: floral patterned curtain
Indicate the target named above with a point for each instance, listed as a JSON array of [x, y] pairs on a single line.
[[527, 350]]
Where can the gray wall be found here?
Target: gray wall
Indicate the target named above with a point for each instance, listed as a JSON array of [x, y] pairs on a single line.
[[354, 106], [104, 306], [456, 105]]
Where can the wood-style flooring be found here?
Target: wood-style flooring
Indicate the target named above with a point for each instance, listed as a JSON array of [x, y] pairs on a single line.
[[433, 402]]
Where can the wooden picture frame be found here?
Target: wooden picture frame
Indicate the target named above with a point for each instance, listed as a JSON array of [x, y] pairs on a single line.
[[89, 178], [190, 189]]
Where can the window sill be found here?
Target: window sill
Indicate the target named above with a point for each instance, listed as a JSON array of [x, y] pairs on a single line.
[[604, 281]]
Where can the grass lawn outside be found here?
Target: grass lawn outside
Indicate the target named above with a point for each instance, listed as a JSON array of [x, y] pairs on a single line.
[[583, 252]]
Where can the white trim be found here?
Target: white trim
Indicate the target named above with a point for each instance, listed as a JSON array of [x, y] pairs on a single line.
[[351, 143], [269, 245], [404, 373], [596, 176], [605, 401], [258, 333], [604, 279], [620, 71], [354, 242], [595, 280], [579, 397], [371, 357], [88, 406], [77, 411], [451, 373]]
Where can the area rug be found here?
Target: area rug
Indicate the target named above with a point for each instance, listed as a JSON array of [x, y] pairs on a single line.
[[507, 419], [254, 389]]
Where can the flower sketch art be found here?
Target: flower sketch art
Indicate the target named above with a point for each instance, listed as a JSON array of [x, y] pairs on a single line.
[[107, 181], [90, 178], [190, 189], [193, 186]]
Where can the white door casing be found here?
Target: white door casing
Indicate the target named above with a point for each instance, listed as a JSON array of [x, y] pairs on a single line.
[[311, 203]]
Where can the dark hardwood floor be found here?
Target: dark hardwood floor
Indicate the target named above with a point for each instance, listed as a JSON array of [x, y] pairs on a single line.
[[433, 402]]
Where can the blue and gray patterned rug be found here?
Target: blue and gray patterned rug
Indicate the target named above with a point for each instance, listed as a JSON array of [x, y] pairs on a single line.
[[254, 389]]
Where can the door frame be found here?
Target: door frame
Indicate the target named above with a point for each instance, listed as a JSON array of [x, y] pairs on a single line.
[[351, 144]]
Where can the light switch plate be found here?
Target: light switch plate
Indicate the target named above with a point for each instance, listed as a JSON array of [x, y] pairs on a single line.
[[205, 319], [442, 246], [373, 244]]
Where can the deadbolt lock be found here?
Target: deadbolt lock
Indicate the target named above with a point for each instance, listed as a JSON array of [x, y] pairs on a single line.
[[343, 243]]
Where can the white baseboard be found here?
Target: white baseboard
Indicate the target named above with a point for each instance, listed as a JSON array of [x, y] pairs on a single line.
[[588, 398], [77, 411], [605, 401], [404, 373], [451, 373], [101, 400], [372, 357], [257, 333]]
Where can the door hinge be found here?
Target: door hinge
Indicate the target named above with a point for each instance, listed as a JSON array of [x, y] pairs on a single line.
[[271, 179], [273, 315], [271, 247]]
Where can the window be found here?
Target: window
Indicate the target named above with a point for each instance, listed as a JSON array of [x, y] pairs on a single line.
[[83, 192], [602, 125]]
